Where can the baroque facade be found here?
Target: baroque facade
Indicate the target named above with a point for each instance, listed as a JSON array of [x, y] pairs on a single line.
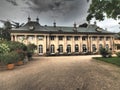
[[60, 39]]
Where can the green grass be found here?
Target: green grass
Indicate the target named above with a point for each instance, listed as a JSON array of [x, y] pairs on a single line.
[[112, 60]]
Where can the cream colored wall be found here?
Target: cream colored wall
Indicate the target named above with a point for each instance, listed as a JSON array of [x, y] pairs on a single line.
[[64, 42]]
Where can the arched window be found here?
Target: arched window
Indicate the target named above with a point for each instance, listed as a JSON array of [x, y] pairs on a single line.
[[84, 48], [60, 49], [94, 48], [76, 48], [40, 49], [52, 49], [68, 49]]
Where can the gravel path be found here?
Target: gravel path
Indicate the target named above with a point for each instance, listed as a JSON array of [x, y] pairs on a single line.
[[62, 73]]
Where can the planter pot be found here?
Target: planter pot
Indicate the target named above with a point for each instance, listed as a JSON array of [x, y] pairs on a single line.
[[10, 66], [20, 63]]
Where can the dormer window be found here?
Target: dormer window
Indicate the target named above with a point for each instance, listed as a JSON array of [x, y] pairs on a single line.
[[99, 29], [75, 29], [60, 30], [31, 28]]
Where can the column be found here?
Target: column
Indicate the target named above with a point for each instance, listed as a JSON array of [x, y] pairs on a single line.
[[56, 43], [113, 44], [65, 44], [26, 40], [45, 44], [73, 45], [12, 37], [97, 43], [104, 41], [35, 39], [91, 44], [88, 43], [48, 41], [80, 43], [15, 37]]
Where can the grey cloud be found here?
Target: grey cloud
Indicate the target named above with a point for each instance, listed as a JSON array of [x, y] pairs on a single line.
[[66, 8], [52, 5], [13, 2]]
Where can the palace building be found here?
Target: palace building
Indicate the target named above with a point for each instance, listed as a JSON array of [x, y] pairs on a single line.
[[61, 39]]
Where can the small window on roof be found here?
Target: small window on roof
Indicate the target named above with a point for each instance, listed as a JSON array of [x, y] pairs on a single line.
[[31, 28], [60, 30], [99, 29], [75, 29]]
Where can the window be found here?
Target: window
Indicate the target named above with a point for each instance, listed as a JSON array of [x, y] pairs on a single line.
[[84, 48], [30, 38], [68, 37], [100, 46], [60, 49], [76, 48], [52, 49], [52, 37], [68, 49], [94, 38], [101, 38], [40, 49], [60, 37], [40, 37], [76, 38], [84, 38], [107, 38], [94, 48], [21, 38]]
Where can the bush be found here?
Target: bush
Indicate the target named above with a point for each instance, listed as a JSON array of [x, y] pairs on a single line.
[[30, 50], [118, 54], [4, 48], [105, 53], [13, 46], [21, 54], [16, 45], [9, 58]]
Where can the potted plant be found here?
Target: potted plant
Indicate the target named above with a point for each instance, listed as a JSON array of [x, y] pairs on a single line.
[[9, 59], [21, 56], [30, 50]]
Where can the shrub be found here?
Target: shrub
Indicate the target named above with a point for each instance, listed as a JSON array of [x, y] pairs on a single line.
[[105, 53], [12, 45], [4, 48], [21, 54], [16, 45], [9, 58], [118, 54], [31, 48]]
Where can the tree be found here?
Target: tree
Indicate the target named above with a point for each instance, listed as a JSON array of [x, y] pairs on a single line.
[[101, 8], [5, 31]]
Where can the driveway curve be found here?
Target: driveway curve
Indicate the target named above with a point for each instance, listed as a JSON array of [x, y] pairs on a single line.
[[62, 73]]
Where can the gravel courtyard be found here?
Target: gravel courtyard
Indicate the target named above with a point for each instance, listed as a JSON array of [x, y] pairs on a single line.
[[62, 73]]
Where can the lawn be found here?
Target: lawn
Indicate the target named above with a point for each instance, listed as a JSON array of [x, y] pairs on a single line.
[[112, 60]]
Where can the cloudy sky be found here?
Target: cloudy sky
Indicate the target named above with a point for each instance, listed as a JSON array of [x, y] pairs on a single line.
[[64, 12]]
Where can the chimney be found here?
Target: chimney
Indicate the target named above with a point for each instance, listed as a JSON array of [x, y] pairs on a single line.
[[37, 19], [29, 19], [95, 23], [75, 25], [54, 24]]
